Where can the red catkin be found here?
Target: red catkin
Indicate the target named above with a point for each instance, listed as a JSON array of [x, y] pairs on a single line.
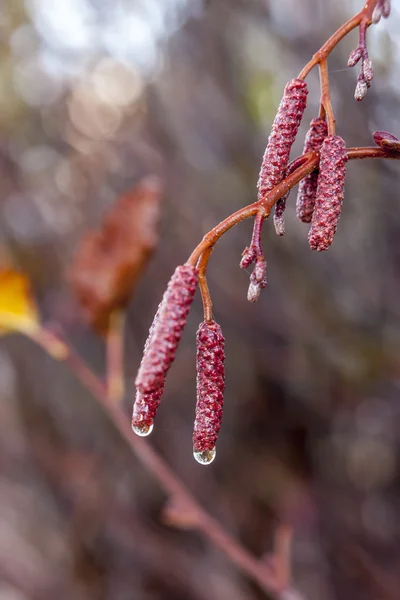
[[210, 388], [283, 134], [167, 329], [329, 199], [146, 405], [308, 186]]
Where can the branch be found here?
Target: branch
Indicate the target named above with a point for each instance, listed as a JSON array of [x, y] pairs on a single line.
[[265, 205], [171, 484], [364, 16]]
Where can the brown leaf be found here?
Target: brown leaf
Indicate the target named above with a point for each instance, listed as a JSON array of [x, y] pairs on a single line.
[[109, 262]]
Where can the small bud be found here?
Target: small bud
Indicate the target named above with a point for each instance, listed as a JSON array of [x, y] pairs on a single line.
[[386, 140], [368, 71], [328, 203], [210, 390], [308, 186], [253, 293], [386, 8], [283, 134], [361, 89], [258, 279], [376, 16], [354, 57], [279, 224], [248, 256], [167, 331]]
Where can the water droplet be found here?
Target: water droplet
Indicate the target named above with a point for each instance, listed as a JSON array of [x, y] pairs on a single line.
[[143, 430], [206, 457]]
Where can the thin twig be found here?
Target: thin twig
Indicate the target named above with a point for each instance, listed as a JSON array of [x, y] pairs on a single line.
[[365, 15], [271, 198], [203, 286], [326, 97], [115, 357], [202, 521]]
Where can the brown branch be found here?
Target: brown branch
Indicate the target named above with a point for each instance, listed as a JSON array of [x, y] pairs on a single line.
[[205, 293], [202, 521], [364, 16], [326, 97], [115, 357], [266, 204]]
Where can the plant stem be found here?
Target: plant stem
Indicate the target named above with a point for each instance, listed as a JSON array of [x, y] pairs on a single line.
[[202, 521], [326, 97], [365, 15], [205, 292], [115, 357]]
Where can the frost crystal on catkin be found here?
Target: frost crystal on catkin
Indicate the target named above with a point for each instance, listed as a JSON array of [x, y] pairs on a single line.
[[210, 390], [167, 330], [308, 186], [329, 199], [283, 134]]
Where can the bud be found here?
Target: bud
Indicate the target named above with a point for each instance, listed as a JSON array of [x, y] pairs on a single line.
[[210, 390], [308, 186], [386, 8], [355, 56], [361, 88], [168, 326], [386, 140], [329, 199], [249, 255], [376, 16], [279, 222], [283, 134], [368, 71], [258, 279]]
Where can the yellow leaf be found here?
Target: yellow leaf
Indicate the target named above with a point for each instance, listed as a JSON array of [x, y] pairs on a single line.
[[18, 310]]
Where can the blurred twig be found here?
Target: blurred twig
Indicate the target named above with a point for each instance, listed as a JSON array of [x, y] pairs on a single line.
[[200, 520], [115, 357]]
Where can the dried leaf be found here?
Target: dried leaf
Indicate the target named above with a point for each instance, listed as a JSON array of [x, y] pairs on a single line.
[[18, 310], [109, 262]]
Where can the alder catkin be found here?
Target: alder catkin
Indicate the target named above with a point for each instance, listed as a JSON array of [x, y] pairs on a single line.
[[329, 198], [146, 405], [283, 134], [210, 390], [308, 186], [167, 329]]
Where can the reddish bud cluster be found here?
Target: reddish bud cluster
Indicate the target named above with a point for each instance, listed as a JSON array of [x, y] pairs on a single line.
[[382, 9], [210, 390], [308, 186], [329, 199], [108, 262], [167, 329], [283, 134], [254, 253]]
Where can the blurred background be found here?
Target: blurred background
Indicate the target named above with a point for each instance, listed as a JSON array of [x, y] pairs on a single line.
[[94, 95]]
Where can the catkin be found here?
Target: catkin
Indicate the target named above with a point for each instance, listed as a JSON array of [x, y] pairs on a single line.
[[308, 186], [329, 199], [283, 134], [210, 386], [168, 326]]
